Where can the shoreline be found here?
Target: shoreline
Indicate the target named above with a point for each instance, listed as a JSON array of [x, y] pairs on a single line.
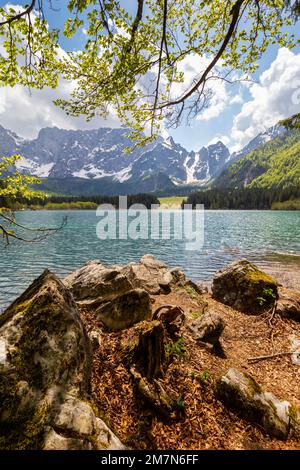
[[287, 274], [161, 208], [177, 208], [288, 277], [157, 357]]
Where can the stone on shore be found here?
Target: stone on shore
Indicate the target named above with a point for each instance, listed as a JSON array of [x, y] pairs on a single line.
[[208, 327], [125, 310], [153, 275], [243, 286], [45, 373], [95, 282], [242, 393]]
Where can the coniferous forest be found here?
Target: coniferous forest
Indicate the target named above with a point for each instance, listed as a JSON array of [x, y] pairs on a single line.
[[247, 198]]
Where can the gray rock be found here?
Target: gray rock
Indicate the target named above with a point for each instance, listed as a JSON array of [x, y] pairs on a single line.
[[94, 282], [151, 275], [78, 418], [54, 441], [245, 287], [105, 439], [125, 310], [240, 392], [288, 304], [208, 327], [75, 415], [45, 378]]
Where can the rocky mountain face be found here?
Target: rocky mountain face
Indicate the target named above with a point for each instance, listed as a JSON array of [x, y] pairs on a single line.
[[95, 161], [261, 139], [274, 164], [100, 153]]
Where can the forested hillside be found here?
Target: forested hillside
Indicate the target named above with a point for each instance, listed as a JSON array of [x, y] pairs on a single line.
[[275, 164], [247, 198]]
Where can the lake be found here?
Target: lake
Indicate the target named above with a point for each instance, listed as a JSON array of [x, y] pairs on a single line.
[[269, 238]]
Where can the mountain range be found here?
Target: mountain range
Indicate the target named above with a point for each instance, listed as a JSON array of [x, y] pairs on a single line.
[[272, 165], [95, 161]]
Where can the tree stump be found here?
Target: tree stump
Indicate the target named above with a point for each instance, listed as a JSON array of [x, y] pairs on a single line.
[[149, 351], [160, 397], [172, 318]]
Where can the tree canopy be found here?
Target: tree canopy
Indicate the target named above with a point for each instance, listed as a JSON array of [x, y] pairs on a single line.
[[136, 63], [13, 186], [13, 183]]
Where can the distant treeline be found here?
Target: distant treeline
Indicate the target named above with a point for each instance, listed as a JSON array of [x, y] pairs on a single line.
[[253, 198], [69, 202]]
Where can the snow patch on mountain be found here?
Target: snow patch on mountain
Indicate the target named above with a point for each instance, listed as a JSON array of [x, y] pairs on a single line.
[[190, 170], [99, 153], [33, 168], [43, 171], [123, 175]]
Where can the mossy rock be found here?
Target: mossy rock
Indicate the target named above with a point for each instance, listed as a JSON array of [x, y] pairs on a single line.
[[243, 394], [125, 310], [23, 416], [45, 374], [47, 354], [245, 287]]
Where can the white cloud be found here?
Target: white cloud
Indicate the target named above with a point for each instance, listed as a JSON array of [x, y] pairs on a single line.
[[221, 94], [275, 97], [26, 113], [237, 99]]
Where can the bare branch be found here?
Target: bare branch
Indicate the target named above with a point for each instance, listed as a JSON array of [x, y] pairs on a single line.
[[41, 232], [163, 40], [235, 12], [271, 356], [27, 11]]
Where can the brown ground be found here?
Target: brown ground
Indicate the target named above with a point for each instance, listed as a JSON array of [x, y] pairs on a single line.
[[204, 423], [288, 276]]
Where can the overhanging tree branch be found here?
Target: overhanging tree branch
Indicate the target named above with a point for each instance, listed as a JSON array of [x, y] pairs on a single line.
[[235, 12], [133, 63], [18, 16], [163, 41], [39, 234]]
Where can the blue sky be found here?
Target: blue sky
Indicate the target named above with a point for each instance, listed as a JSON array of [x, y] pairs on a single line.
[[237, 115]]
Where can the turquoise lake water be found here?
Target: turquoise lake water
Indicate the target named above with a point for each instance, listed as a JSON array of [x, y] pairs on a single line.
[[264, 237]]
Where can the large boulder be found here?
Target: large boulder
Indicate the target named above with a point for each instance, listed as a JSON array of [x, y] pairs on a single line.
[[208, 327], [152, 275], [288, 304], [94, 282], [125, 310], [45, 374], [242, 393], [245, 287]]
